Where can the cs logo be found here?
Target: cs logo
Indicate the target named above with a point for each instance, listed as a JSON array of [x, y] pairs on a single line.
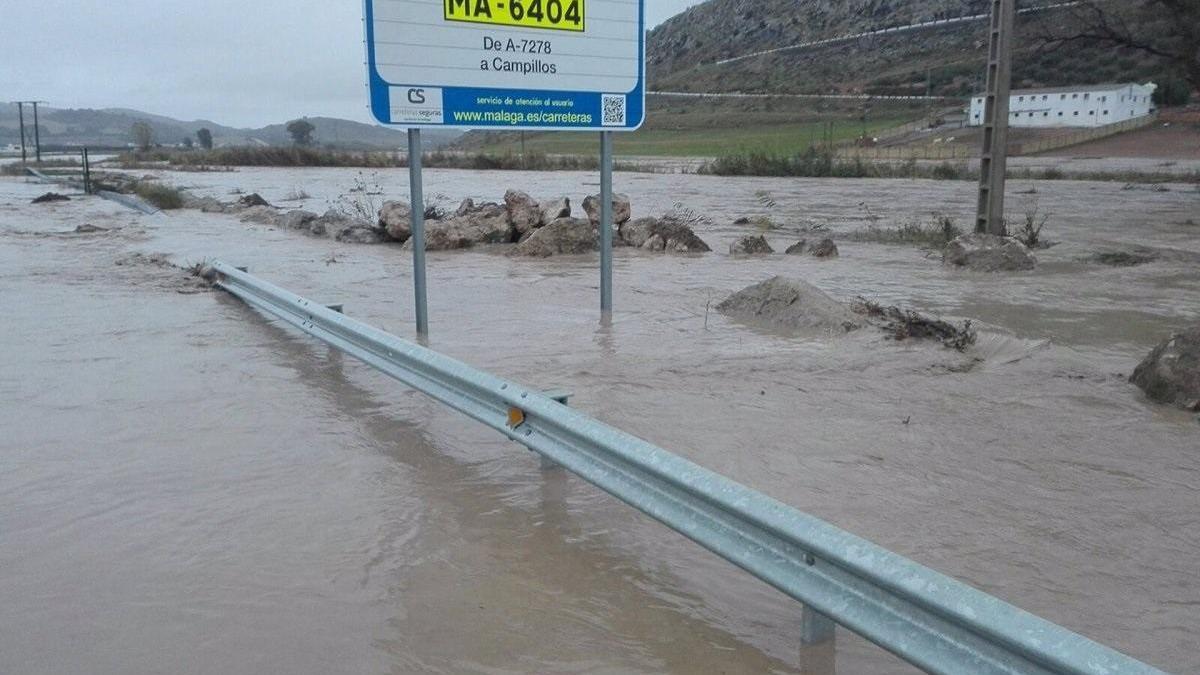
[[416, 96]]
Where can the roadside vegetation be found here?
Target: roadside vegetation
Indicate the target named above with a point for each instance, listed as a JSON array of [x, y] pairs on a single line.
[[222, 158], [164, 197], [933, 234]]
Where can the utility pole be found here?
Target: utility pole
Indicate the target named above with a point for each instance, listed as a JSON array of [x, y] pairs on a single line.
[[994, 161], [37, 135], [21, 117]]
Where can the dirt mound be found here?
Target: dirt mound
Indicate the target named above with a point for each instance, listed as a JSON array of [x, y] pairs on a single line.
[[791, 304]]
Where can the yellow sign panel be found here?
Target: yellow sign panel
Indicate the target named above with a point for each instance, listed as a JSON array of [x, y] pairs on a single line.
[[549, 14]]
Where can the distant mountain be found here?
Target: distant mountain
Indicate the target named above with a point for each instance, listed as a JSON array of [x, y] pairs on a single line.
[[110, 127]]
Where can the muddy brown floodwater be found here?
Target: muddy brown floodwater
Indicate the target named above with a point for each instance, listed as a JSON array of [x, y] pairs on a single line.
[[188, 486]]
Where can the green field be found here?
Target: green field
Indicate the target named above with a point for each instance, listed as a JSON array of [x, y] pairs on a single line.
[[681, 127], [692, 142]]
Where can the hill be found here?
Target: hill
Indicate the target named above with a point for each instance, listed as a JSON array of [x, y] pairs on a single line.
[[110, 127], [685, 52]]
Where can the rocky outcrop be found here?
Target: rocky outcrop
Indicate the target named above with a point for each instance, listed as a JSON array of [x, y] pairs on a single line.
[[524, 213], [988, 253], [790, 304], [665, 234], [751, 245], [1171, 373], [622, 210], [565, 236], [824, 249], [395, 218]]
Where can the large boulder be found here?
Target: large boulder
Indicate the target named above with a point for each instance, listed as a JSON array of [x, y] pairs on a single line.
[[554, 210], [797, 248], [662, 234], [298, 220], [790, 304], [565, 236], [395, 218], [524, 213], [988, 253], [751, 245], [622, 210], [1171, 373], [485, 224]]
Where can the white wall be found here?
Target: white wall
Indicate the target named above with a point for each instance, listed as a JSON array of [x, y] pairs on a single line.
[[1073, 109]]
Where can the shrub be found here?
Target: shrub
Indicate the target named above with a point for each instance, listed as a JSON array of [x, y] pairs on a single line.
[[164, 197]]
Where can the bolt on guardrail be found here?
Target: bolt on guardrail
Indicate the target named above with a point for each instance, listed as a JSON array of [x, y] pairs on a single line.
[[928, 619]]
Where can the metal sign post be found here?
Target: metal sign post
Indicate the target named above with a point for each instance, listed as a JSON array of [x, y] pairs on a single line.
[[417, 191], [606, 224], [522, 65]]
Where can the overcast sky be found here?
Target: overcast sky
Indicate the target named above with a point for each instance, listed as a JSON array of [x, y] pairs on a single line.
[[243, 63]]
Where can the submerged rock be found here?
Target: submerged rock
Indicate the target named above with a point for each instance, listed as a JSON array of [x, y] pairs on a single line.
[[622, 210], [361, 234], [988, 253], [88, 228], [297, 220], [263, 215], [665, 234], [395, 218], [798, 248], [1131, 258], [824, 249], [252, 200], [51, 197], [565, 236], [751, 245], [1171, 373], [791, 304]]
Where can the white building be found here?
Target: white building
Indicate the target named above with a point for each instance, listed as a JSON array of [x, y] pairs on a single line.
[[1085, 106]]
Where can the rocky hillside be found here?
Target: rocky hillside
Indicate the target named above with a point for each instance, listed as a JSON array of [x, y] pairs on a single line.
[[684, 51]]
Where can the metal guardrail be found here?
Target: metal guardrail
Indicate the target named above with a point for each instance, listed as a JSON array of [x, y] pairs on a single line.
[[932, 621]]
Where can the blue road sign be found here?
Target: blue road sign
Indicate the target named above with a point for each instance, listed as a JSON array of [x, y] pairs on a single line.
[[522, 64]]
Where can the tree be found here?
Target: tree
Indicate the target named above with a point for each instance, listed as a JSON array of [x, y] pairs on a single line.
[[143, 135], [188, 142], [204, 136], [1166, 29], [301, 131]]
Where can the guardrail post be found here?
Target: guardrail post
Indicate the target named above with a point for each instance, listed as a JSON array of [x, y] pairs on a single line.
[[815, 627]]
